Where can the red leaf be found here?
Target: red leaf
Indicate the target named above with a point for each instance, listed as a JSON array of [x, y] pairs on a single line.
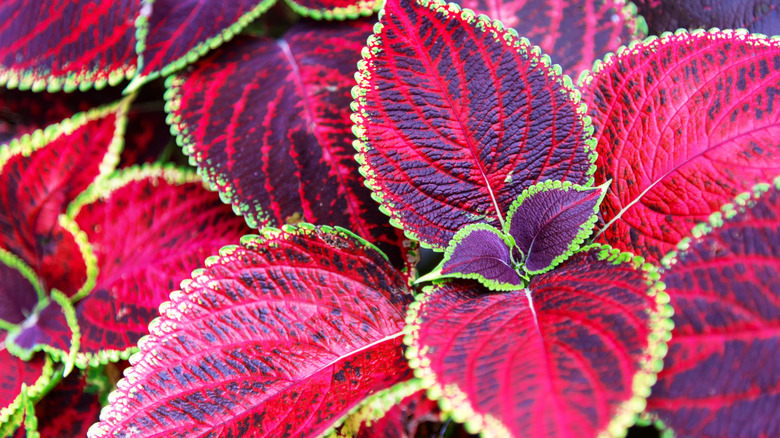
[[149, 227], [69, 409], [280, 336], [686, 122], [456, 117], [721, 376], [574, 33], [276, 140], [334, 9], [35, 374], [66, 43], [579, 362]]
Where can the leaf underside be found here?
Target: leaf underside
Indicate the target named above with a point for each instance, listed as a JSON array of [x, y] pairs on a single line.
[[456, 117], [686, 123], [580, 363], [295, 319], [757, 16], [574, 33], [721, 376]]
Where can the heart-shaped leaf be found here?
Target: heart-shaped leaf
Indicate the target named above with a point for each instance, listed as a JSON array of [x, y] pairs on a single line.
[[281, 153], [66, 44], [550, 220], [721, 377], [574, 33], [150, 226], [685, 122], [17, 376], [456, 117], [757, 16], [282, 335], [174, 33], [572, 355], [334, 9]]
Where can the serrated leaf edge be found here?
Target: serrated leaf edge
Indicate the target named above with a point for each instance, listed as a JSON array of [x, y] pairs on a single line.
[[360, 8], [38, 81]]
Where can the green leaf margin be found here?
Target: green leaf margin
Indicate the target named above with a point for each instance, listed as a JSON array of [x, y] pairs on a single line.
[[11, 415], [361, 8]]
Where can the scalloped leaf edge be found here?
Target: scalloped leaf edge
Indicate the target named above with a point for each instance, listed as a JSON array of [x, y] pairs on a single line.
[[361, 8]]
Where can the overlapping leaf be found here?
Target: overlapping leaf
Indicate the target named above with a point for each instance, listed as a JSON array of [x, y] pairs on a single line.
[[275, 141], [757, 16], [574, 33], [69, 409], [19, 290], [149, 227], [173, 33], [572, 355], [685, 123], [67, 43], [456, 116], [722, 377], [334, 9], [295, 319]]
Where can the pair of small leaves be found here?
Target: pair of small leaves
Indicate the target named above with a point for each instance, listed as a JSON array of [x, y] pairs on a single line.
[[544, 226]]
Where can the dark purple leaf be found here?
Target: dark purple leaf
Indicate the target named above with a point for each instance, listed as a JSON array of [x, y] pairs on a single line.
[[19, 290], [574, 33], [150, 226], [174, 33], [276, 142], [281, 336], [550, 220], [456, 117], [757, 16], [334, 9], [686, 123], [573, 355], [722, 375], [65, 44]]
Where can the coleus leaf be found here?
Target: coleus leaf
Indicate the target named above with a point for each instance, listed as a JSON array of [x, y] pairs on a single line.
[[281, 153], [174, 33], [721, 377], [20, 290], [286, 321], [574, 354], [686, 122], [757, 16], [40, 174], [69, 409], [456, 117], [66, 44], [149, 227], [334, 9], [574, 33]]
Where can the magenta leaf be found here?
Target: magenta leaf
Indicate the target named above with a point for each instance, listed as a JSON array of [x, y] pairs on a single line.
[[686, 123], [721, 376], [574, 33], [574, 354], [150, 226], [67, 44], [281, 153], [757, 16], [281, 335], [550, 220], [174, 33], [456, 117], [334, 9]]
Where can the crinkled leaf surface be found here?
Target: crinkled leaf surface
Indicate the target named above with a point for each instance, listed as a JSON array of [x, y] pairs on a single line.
[[686, 122], [69, 409], [276, 141], [334, 9], [149, 227], [456, 117], [281, 335], [574, 33], [722, 376], [550, 220], [174, 33], [39, 175], [66, 43], [757, 16], [577, 363]]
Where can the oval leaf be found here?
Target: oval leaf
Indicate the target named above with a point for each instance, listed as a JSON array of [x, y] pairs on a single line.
[[290, 320], [149, 226], [334, 9], [686, 123], [67, 44], [573, 355], [281, 153], [574, 33], [721, 377], [757, 16], [456, 116]]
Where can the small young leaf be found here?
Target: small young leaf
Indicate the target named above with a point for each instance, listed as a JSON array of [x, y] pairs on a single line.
[[685, 122], [573, 355], [456, 116], [722, 375], [334, 9], [282, 335], [550, 220], [757, 16]]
